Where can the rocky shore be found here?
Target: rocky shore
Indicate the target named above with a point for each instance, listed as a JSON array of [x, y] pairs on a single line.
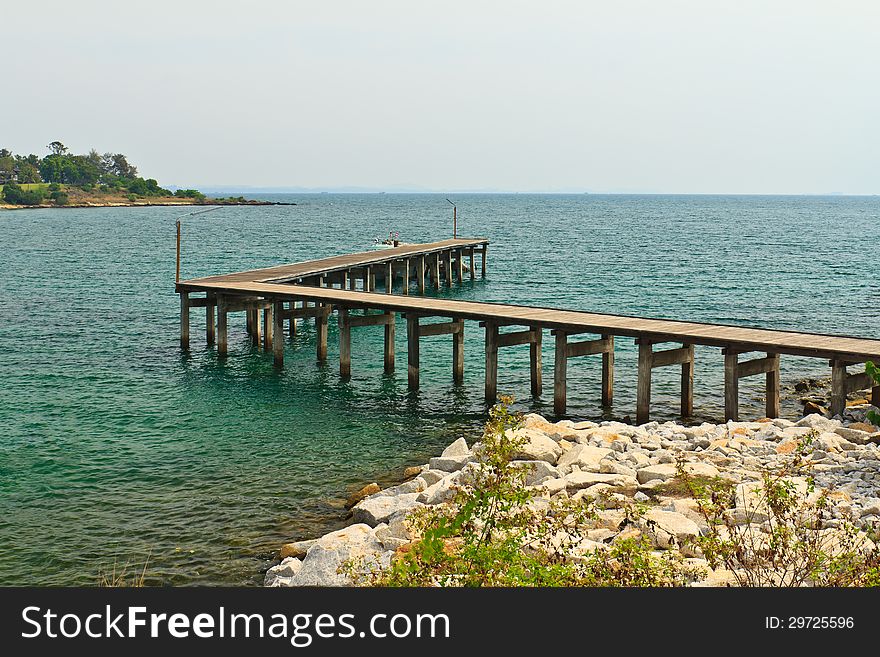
[[624, 464]]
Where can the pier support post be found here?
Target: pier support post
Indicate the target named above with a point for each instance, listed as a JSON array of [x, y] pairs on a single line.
[[278, 333], [321, 334], [648, 360], [643, 386], [268, 323], [687, 382], [184, 320], [344, 344], [406, 275], [560, 373], [257, 330], [448, 266], [412, 343], [421, 275], [843, 383], [608, 372], [352, 280], [210, 324], [389, 277], [249, 322], [471, 254], [459, 265], [491, 362], [389, 343], [535, 366], [485, 249], [566, 350], [458, 351], [735, 370], [221, 326], [435, 270]]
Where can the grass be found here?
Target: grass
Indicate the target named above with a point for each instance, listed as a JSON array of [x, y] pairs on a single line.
[[122, 578]]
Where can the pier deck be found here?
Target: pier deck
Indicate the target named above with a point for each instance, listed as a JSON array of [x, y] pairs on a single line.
[[271, 288]]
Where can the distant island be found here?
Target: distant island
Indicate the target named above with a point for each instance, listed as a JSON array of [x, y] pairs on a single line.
[[62, 179]]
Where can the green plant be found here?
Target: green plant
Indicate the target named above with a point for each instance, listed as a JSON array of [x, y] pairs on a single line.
[[119, 577], [496, 532], [874, 372], [772, 532], [60, 198]]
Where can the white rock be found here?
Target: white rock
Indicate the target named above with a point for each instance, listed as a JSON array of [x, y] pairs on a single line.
[[378, 509], [449, 463], [577, 480], [668, 528], [853, 435], [584, 456], [283, 573], [538, 471], [538, 447], [661, 471], [458, 448], [820, 422], [324, 559]]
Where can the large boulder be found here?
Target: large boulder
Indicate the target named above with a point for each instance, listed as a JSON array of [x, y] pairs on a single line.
[[537, 471], [820, 422], [585, 457], [664, 471], [537, 447], [458, 448], [356, 545], [379, 508], [668, 529], [578, 480]]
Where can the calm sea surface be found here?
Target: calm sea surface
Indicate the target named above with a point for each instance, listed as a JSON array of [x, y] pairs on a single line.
[[117, 447]]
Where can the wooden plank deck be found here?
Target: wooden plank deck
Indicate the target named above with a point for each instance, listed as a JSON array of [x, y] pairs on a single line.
[[291, 272], [737, 338]]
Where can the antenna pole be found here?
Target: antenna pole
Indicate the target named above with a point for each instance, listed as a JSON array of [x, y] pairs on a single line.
[[454, 222], [177, 272]]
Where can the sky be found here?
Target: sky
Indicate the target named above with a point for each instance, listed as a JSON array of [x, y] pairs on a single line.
[[679, 96]]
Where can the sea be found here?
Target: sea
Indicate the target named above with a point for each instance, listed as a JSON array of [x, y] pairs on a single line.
[[120, 454]]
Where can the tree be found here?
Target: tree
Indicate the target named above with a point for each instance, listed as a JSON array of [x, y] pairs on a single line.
[[57, 148]]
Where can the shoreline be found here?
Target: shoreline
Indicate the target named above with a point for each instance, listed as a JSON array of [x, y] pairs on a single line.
[[135, 204], [631, 463]]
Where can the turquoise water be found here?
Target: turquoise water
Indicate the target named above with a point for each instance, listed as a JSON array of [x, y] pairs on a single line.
[[115, 446]]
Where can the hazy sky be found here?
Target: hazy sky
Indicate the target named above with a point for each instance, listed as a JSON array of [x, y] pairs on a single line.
[[655, 96]]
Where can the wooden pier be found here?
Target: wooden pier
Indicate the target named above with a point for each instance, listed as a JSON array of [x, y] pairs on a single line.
[[345, 283]]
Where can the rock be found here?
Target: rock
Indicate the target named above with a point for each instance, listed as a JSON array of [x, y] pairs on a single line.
[[862, 426], [576, 480], [608, 466], [412, 471], [431, 477], [854, 435], [668, 529], [662, 471], [283, 573], [440, 492], [330, 552], [296, 549], [458, 448], [538, 471], [811, 407], [558, 431], [871, 507], [369, 489], [584, 456], [378, 509], [538, 447], [818, 421], [449, 463]]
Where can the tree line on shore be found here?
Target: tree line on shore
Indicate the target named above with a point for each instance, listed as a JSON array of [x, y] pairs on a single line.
[[60, 170]]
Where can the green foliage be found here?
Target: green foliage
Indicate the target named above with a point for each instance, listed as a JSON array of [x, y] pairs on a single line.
[[60, 198], [874, 372], [54, 187], [497, 533], [190, 193], [14, 194], [777, 538]]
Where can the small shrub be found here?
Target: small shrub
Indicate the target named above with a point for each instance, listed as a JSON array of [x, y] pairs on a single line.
[[60, 198], [777, 538], [132, 197]]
